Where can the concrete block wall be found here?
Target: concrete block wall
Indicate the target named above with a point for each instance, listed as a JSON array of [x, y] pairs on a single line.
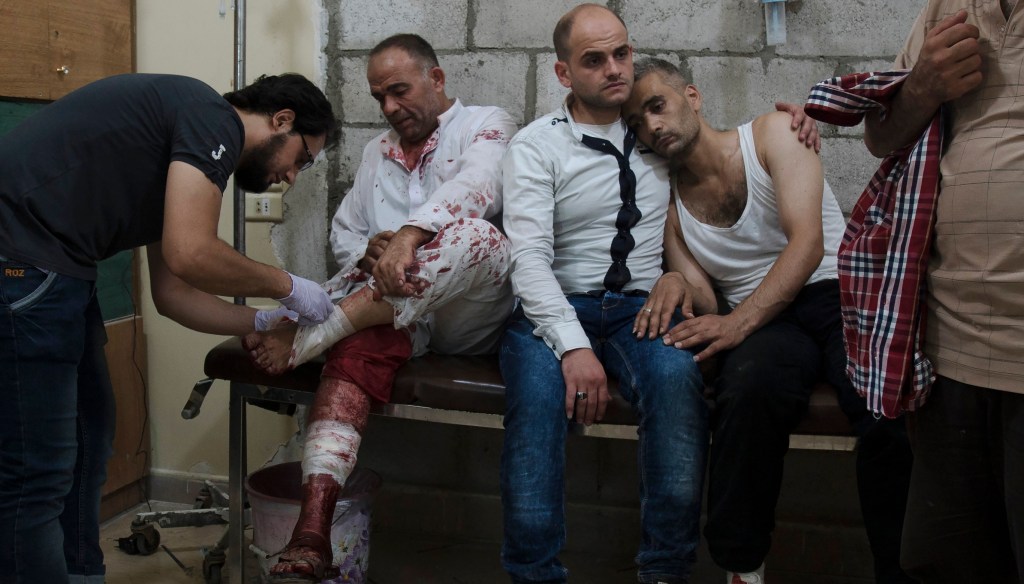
[[499, 52]]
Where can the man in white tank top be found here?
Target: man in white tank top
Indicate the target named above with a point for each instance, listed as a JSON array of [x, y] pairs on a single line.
[[755, 221]]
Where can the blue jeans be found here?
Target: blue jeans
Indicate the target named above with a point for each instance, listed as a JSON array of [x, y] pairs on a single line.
[[56, 425], [665, 388]]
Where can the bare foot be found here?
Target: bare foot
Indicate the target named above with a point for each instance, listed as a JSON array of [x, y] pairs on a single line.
[[308, 557], [271, 350], [300, 560]]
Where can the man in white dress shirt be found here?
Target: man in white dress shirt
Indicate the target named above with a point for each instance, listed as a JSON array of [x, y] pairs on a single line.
[[421, 269], [585, 211]]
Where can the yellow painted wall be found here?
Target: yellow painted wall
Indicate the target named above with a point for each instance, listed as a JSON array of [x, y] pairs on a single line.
[[191, 37]]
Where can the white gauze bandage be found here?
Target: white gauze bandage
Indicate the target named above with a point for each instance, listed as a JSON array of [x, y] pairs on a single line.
[[310, 341], [330, 449]]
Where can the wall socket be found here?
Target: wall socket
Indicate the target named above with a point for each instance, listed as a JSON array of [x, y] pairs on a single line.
[[264, 206]]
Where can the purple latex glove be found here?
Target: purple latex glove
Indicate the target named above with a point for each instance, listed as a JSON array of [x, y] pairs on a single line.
[[309, 300], [268, 319]]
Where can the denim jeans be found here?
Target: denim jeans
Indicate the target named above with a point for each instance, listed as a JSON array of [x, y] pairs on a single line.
[[56, 425], [665, 388]]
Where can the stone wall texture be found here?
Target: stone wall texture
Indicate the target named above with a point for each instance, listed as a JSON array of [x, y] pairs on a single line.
[[499, 52]]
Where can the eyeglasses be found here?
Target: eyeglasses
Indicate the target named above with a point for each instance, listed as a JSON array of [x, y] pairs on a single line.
[[309, 155]]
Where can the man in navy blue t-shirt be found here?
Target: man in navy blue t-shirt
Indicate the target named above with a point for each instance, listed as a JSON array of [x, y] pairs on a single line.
[[126, 161]]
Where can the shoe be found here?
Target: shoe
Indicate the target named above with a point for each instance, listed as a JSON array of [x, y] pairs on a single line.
[[755, 577]]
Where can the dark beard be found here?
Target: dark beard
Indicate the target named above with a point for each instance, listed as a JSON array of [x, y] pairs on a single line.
[[254, 168]]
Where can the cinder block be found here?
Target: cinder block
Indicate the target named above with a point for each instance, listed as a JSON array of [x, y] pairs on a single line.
[[848, 168], [363, 24], [737, 89], [550, 92], [407, 451], [479, 455], [876, 65], [489, 79], [476, 78], [867, 28], [582, 482], [357, 105], [673, 58], [521, 24], [723, 25], [617, 475], [350, 152], [299, 241]]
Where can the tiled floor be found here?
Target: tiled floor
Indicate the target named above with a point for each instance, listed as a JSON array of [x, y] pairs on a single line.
[[186, 545], [399, 559], [394, 559]]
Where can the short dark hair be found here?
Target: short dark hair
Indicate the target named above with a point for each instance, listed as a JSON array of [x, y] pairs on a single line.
[[563, 29], [413, 44], [669, 72], [270, 94]]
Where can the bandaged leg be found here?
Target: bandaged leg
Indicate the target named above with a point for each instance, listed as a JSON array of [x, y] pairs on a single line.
[[355, 312], [463, 258], [331, 449], [311, 341], [337, 419], [329, 457]]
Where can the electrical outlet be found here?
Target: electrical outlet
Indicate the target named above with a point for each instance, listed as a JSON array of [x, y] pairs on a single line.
[[264, 207]]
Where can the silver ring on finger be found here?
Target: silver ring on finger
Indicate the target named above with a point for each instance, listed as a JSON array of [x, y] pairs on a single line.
[[581, 395], [648, 310]]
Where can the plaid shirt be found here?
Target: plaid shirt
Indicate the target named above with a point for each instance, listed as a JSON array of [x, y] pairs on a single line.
[[883, 258]]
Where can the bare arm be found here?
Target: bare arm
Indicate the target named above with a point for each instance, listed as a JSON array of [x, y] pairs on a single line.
[[685, 285], [947, 67], [193, 253], [679, 259], [805, 124], [193, 308], [529, 222], [799, 183]]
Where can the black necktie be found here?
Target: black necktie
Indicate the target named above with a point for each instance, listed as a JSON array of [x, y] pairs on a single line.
[[618, 274]]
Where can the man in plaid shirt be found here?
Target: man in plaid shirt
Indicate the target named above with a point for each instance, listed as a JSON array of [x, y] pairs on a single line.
[[965, 516], [755, 221]]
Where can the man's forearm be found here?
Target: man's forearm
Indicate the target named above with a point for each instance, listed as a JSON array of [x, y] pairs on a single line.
[[947, 66], [416, 234], [908, 115], [208, 314], [780, 286], [219, 269]]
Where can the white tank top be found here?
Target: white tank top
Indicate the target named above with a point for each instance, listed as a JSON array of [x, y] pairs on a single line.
[[737, 258]]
